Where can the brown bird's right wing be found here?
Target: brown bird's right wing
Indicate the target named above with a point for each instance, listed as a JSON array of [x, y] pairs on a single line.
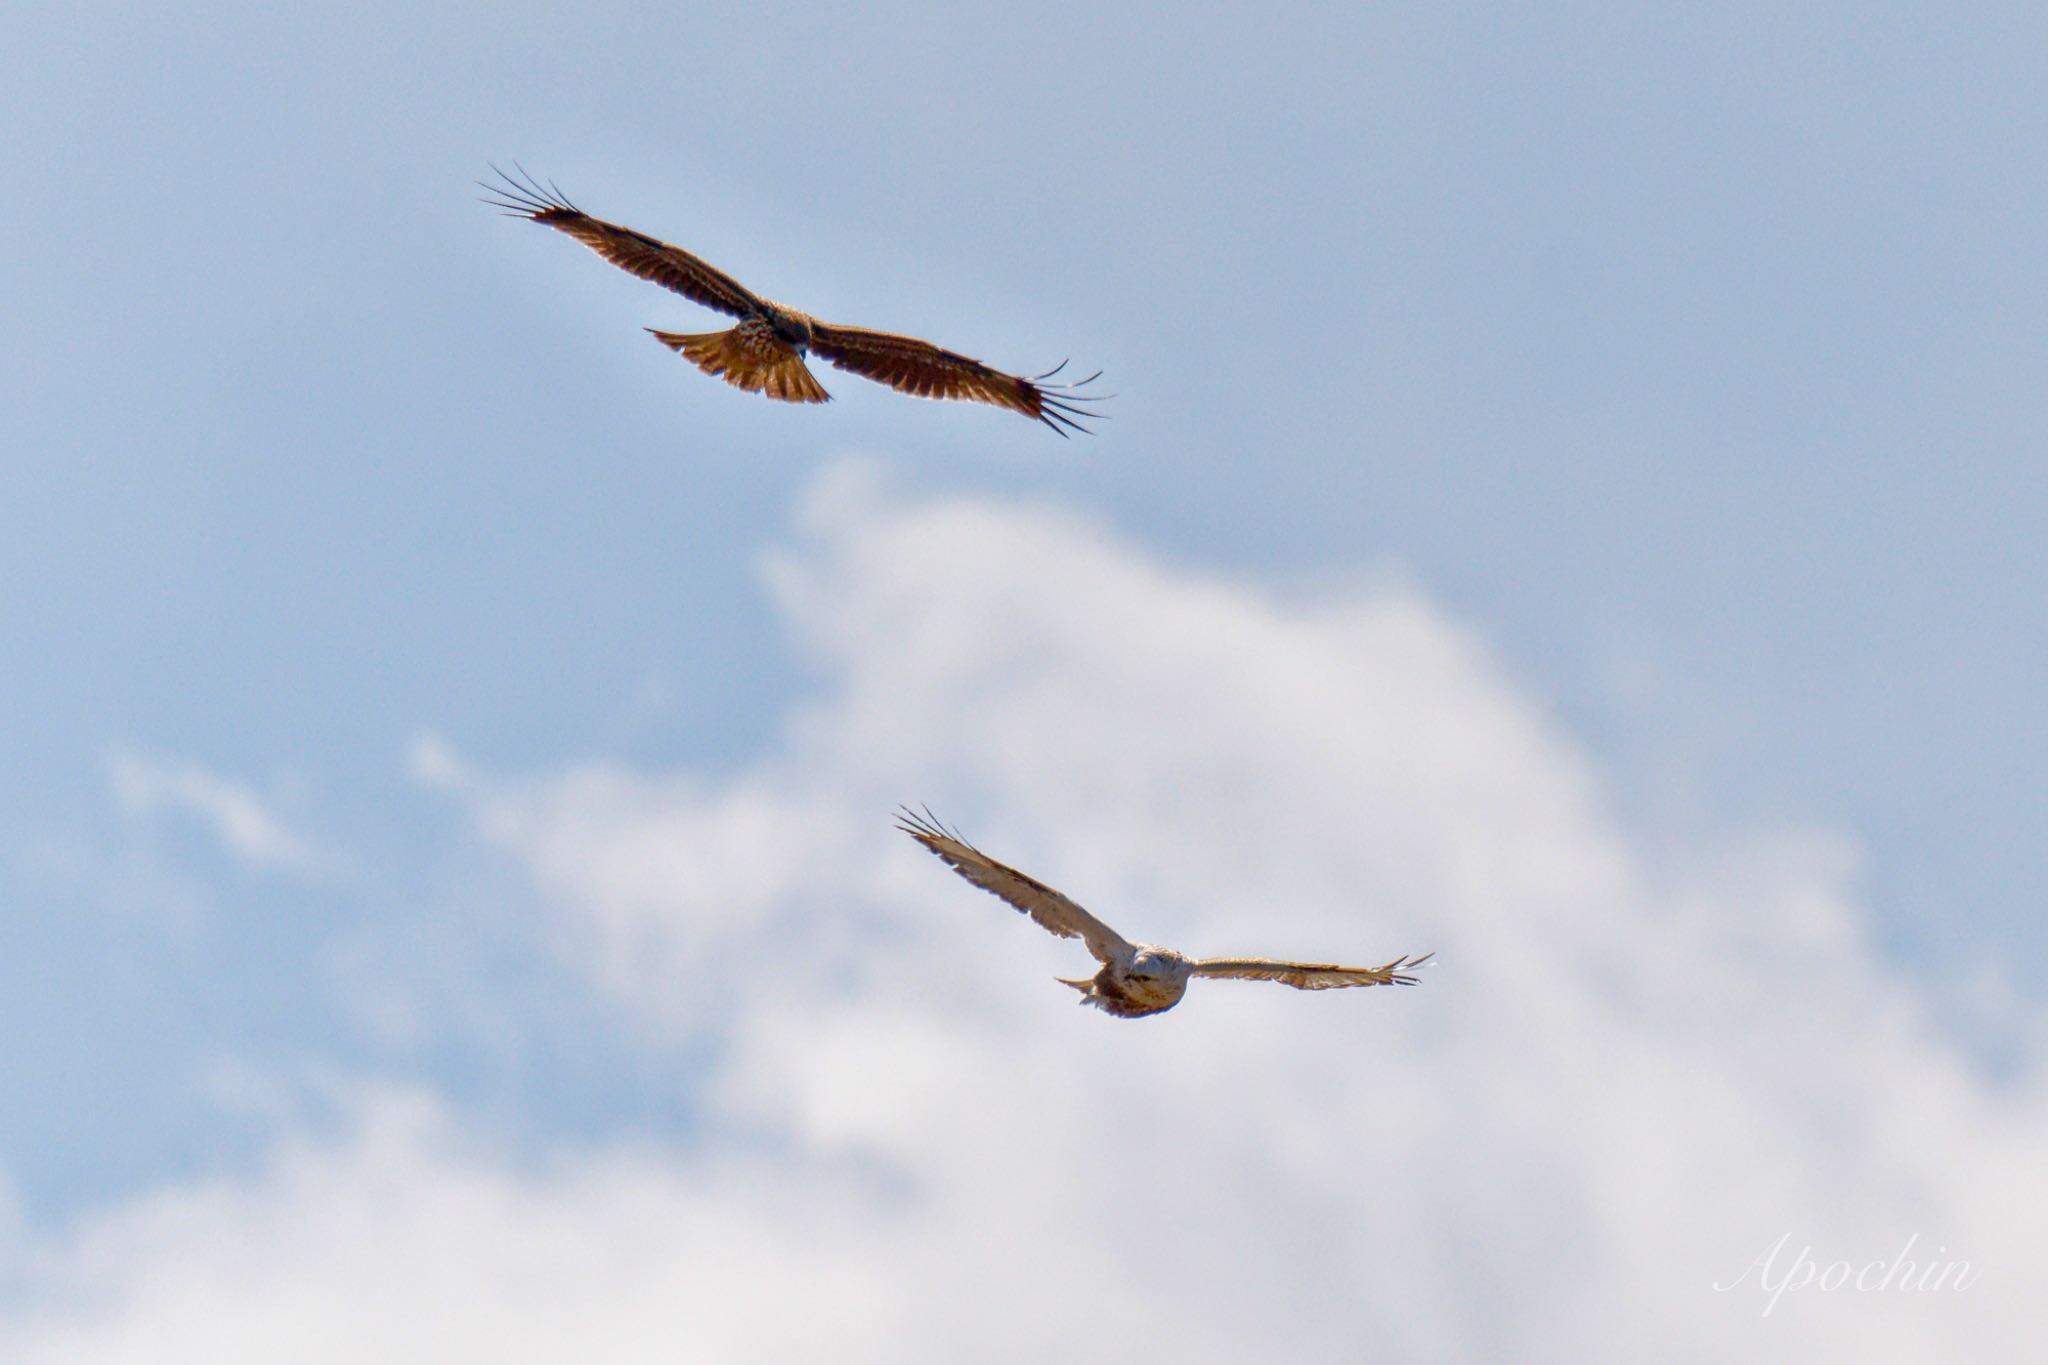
[[634, 252], [923, 370], [1052, 910]]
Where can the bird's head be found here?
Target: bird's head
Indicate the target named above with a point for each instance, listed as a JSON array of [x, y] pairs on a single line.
[[1151, 964], [792, 326]]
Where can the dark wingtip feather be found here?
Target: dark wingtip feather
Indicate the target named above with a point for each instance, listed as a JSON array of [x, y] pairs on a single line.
[[529, 198], [1056, 401], [923, 826], [1400, 967]]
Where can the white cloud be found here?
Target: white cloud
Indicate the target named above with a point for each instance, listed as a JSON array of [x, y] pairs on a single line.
[[1629, 1078], [234, 814]]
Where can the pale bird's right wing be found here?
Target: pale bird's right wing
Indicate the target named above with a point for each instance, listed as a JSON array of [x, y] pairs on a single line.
[[1051, 909], [1312, 976], [634, 252]]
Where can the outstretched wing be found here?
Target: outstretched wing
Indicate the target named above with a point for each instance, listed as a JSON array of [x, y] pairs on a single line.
[[927, 371], [1312, 976], [1033, 897], [635, 252]]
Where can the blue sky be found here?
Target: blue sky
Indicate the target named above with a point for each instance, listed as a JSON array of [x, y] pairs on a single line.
[[1688, 364]]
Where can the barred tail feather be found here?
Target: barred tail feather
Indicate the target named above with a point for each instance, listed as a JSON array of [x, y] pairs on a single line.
[[743, 358]]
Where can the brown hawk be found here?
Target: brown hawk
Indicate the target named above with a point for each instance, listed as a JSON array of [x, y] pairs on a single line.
[[765, 352], [1136, 979]]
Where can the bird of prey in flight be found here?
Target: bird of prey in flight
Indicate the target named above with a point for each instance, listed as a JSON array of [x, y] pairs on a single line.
[[765, 352], [1136, 979]]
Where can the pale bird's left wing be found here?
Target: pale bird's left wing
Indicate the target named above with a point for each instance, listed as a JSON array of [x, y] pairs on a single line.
[[1045, 905], [1312, 976], [916, 367]]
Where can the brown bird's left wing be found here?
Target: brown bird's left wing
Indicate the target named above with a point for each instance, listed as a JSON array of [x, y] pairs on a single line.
[[634, 252], [1052, 910], [919, 368], [1312, 976]]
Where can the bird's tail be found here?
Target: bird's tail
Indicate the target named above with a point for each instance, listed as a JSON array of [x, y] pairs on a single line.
[[738, 356]]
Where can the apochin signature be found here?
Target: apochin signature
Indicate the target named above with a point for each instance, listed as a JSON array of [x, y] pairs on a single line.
[[1899, 1274]]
